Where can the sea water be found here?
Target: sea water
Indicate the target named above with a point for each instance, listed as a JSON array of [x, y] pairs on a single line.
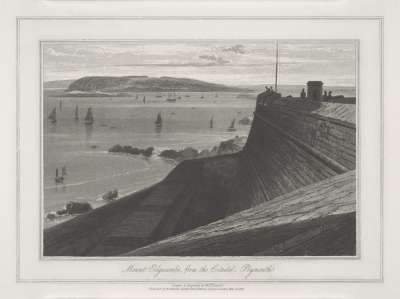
[[83, 149]]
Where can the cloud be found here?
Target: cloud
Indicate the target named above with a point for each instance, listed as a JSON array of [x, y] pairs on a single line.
[[237, 49], [215, 59], [208, 57], [221, 61], [53, 52]]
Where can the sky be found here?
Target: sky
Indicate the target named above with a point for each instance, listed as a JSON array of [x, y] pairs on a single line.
[[230, 62]]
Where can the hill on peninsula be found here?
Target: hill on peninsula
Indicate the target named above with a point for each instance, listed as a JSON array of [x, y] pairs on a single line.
[[145, 83]]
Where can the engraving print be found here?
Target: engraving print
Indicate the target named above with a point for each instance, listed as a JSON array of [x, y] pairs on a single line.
[[199, 148]]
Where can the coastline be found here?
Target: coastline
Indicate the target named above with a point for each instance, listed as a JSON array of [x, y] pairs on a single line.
[[234, 145]]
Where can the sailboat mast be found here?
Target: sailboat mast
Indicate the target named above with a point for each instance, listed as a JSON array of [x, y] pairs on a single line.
[[276, 66]]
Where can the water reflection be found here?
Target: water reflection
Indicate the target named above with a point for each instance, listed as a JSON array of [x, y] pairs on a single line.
[[158, 123], [53, 128], [158, 129], [60, 187], [89, 132]]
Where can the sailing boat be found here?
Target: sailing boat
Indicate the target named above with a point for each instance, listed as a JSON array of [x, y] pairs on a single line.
[[171, 97], [89, 117], [53, 116], [76, 113], [58, 179], [212, 122], [144, 100], [202, 96], [158, 121], [231, 128]]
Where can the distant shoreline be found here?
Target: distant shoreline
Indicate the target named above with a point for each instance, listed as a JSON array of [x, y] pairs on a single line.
[[58, 93], [249, 93]]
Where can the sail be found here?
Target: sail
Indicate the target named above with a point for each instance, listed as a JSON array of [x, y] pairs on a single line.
[[211, 122], [158, 121], [89, 116], [53, 115], [58, 179], [76, 113], [232, 124], [231, 128]]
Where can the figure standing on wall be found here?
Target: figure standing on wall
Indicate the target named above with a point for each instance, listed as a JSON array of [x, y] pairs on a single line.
[[325, 95], [268, 90], [303, 94], [330, 95]]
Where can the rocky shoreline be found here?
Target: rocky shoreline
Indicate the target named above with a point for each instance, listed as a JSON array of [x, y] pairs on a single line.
[[73, 208], [225, 147], [127, 149]]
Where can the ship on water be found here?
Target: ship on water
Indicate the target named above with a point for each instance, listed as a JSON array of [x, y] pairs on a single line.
[[58, 179], [76, 114], [232, 128], [171, 97], [89, 117], [158, 121], [212, 122], [53, 116]]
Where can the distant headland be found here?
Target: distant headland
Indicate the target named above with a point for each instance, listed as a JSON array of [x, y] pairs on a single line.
[[108, 85], [113, 86]]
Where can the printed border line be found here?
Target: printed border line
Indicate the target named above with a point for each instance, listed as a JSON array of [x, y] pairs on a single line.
[[358, 155], [248, 281], [382, 145], [18, 171], [173, 18]]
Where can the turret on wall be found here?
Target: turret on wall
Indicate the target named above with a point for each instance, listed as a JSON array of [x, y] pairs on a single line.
[[314, 90]]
